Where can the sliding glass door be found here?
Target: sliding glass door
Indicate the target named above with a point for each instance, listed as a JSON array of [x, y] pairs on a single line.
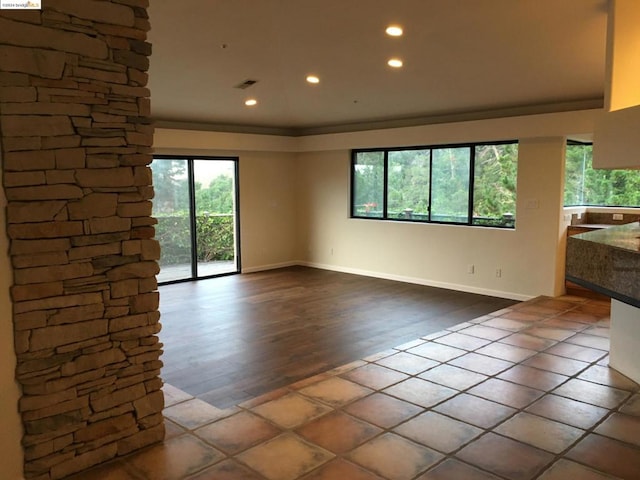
[[215, 207], [196, 204]]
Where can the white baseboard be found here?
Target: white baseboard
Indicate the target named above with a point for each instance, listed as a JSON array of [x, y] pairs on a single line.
[[420, 281], [272, 266]]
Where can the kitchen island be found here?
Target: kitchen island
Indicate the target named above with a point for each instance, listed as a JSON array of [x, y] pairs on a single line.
[[608, 261]]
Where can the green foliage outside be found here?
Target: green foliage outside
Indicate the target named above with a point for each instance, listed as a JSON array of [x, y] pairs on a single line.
[[171, 191], [450, 188], [587, 186], [368, 186], [214, 215], [408, 184], [495, 181], [216, 198], [173, 233], [409, 177], [214, 238]]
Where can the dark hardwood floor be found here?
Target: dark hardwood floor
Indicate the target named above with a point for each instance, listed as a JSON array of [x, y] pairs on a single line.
[[233, 338]]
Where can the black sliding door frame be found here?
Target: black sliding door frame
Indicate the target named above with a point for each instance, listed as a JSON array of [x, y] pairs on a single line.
[[193, 227]]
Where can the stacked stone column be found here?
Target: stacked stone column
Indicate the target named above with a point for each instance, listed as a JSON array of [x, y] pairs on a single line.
[[76, 147]]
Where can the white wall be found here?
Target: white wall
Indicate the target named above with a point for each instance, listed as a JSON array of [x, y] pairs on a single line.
[[267, 169], [439, 255], [625, 339], [267, 210], [615, 139], [295, 207], [531, 257], [10, 438], [540, 258]]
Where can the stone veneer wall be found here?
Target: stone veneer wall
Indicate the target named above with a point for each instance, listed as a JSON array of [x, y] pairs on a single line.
[[76, 147]]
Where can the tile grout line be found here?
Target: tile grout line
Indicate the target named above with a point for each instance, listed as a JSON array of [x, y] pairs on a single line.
[[489, 377]]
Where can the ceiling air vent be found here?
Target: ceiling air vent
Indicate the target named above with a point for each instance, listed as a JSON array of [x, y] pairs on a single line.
[[246, 84]]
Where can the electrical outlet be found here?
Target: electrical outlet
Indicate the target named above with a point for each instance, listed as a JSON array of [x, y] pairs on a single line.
[[471, 269], [498, 272], [618, 216]]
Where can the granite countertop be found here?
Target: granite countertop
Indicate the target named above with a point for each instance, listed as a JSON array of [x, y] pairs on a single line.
[[607, 261], [591, 226], [625, 237]]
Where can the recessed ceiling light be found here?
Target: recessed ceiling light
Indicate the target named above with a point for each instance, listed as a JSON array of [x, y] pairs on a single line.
[[395, 62], [313, 79], [394, 30], [250, 102]]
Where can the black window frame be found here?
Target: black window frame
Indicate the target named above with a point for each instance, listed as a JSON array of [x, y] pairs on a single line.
[[509, 225]]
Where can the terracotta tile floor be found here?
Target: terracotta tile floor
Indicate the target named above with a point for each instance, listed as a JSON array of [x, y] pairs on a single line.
[[521, 394]]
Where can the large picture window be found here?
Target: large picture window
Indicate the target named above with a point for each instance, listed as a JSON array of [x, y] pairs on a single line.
[[470, 184], [586, 186]]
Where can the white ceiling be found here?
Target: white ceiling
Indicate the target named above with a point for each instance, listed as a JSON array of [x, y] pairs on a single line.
[[463, 59]]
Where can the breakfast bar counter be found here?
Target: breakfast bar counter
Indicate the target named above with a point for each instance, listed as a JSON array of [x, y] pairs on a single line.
[[608, 261]]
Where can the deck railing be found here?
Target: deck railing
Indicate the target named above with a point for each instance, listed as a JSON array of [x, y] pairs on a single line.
[[507, 220]]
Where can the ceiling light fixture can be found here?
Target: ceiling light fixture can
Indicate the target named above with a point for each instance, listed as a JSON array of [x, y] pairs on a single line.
[[250, 102], [394, 31], [313, 79], [395, 62]]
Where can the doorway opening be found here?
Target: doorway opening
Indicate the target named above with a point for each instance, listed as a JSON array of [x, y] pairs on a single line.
[[196, 205]]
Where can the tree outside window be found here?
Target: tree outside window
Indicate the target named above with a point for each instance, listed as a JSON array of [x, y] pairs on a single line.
[[470, 184], [586, 186]]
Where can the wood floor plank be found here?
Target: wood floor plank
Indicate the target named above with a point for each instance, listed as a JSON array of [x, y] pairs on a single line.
[[232, 338]]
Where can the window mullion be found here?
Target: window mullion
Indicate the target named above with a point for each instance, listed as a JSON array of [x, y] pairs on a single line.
[[472, 170], [352, 207], [192, 219], [385, 192], [430, 183]]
